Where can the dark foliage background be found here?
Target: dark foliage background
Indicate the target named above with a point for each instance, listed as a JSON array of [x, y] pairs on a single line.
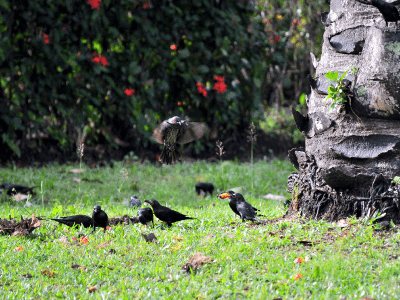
[[107, 72]]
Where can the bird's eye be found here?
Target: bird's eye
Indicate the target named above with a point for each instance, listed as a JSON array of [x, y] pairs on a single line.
[[234, 196]]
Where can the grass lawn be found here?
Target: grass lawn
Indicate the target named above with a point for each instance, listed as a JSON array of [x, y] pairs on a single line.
[[248, 261]]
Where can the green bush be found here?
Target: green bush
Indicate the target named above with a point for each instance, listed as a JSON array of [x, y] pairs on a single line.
[[120, 67]]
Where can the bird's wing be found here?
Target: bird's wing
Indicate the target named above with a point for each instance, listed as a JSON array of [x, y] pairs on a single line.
[[246, 210], [158, 133], [168, 215], [191, 131], [232, 205]]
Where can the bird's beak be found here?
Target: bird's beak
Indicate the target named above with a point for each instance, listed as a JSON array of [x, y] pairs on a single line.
[[147, 201], [224, 195]]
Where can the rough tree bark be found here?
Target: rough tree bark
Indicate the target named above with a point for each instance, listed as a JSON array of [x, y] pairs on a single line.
[[352, 152]]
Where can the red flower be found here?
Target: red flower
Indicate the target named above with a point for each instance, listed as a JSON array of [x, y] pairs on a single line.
[[78, 54], [99, 59], [46, 38], [173, 47], [64, 28], [18, 249], [95, 4], [201, 89], [129, 92], [147, 4], [103, 61], [219, 86], [84, 240], [277, 39], [298, 260], [179, 103], [297, 276]]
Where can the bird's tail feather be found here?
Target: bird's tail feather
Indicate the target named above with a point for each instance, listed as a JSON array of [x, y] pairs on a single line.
[[168, 157]]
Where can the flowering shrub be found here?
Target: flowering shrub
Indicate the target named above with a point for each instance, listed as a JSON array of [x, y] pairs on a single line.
[[99, 48]]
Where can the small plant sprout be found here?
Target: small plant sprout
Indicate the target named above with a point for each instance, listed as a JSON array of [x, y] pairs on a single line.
[[251, 138], [396, 180], [220, 150], [336, 93], [338, 90]]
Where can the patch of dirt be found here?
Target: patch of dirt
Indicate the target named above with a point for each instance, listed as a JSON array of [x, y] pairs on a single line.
[[125, 220], [195, 262], [23, 228]]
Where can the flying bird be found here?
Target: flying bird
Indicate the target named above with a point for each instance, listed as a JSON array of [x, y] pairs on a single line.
[[173, 132], [77, 220], [241, 207], [13, 189], [100, 218], [135, 201], [145, 215], [166, 214]]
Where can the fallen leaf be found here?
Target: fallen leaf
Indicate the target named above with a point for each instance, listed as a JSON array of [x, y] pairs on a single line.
[[77, 170], [19, 197], [92, 289], [76, 179], [195, 262], [246, 288], [64, 240], [177, 238], [179, 246], [79, 267], [102, 245], [298, 260], [297, 276], [18, 249], [27, 275], [84, 240], [49, 273], [343, 223]]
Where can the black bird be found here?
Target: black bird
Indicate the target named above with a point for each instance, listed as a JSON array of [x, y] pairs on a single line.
[[100, 218], [13, 189], [77, 220], [175, 131], [145, 215], [206, 187], [166, 214], [388, 10], [240, 207], [135, 201]]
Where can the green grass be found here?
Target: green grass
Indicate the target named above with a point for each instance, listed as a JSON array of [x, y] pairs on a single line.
[[250, 261]]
